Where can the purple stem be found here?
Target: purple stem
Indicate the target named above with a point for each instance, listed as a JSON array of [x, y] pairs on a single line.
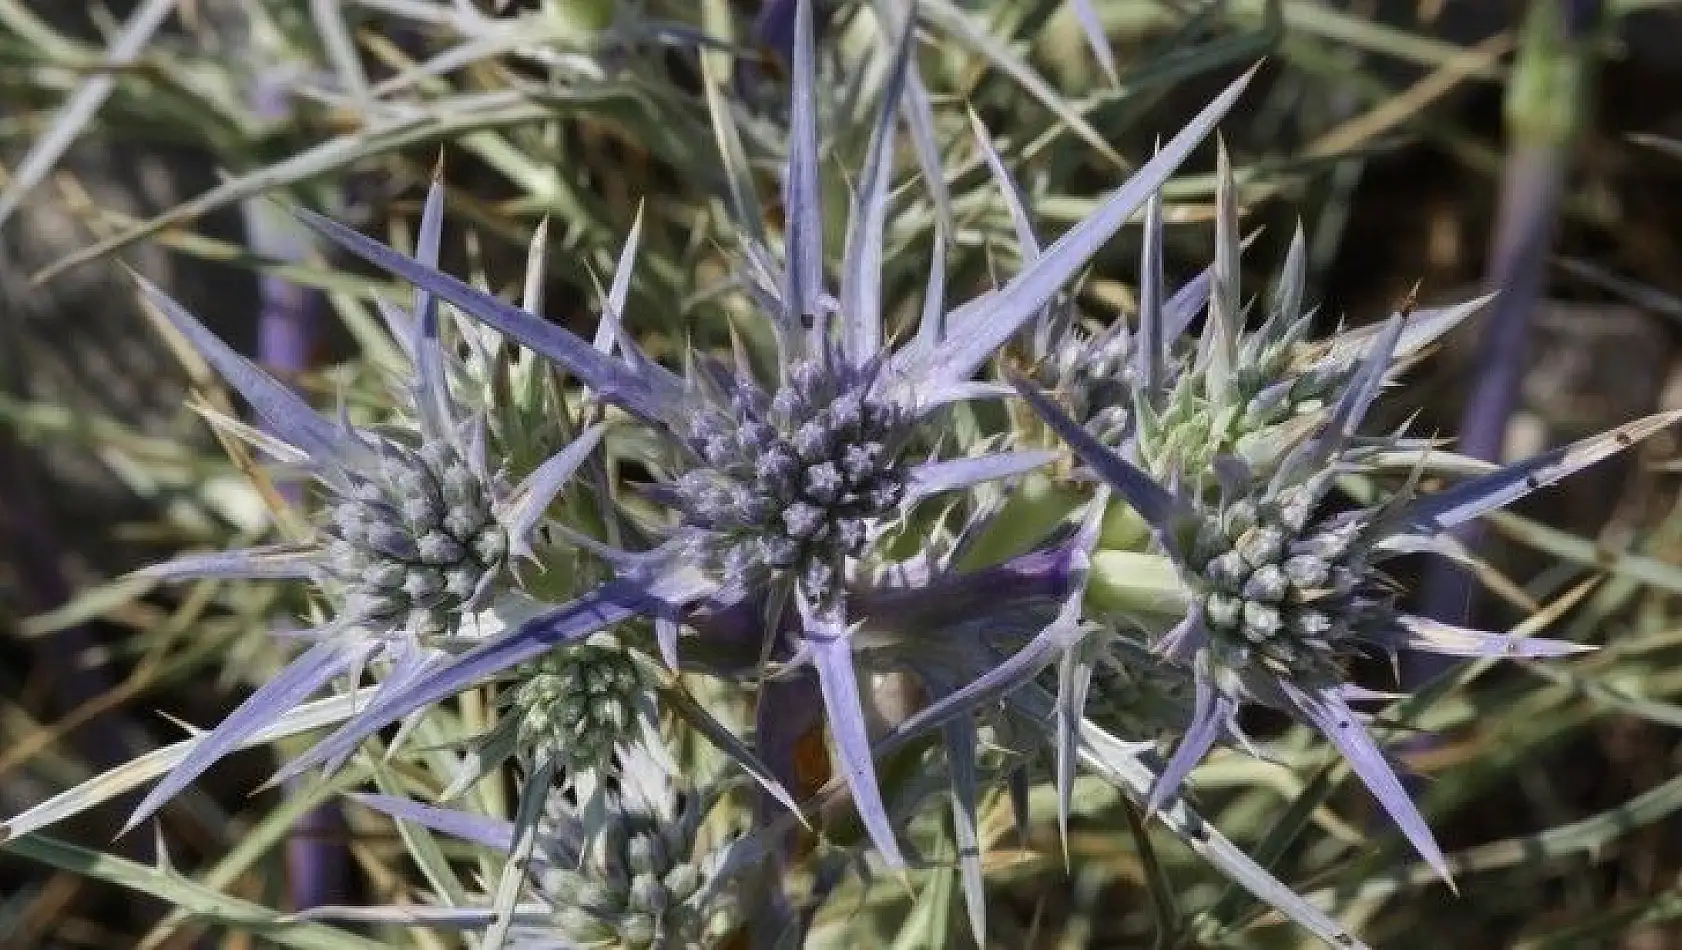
[[1532, 184], [1546, 102], [317, 863], [111, 739]]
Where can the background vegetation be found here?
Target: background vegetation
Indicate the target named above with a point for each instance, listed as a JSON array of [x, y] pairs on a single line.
[[1441, 145]]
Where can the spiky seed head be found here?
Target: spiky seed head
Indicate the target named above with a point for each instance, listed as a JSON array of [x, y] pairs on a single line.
[[1284, 588], [1096, 378]]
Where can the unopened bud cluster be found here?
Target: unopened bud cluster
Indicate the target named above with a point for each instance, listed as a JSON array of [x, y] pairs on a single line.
[[640, 884], [791, 481], [576, 704], [1271, 385], [1096, 378], [415, 539], [1280, 589]]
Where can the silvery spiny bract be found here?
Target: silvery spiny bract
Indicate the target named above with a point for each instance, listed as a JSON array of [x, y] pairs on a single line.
[[633, 869], [413, 532], [781, 508]]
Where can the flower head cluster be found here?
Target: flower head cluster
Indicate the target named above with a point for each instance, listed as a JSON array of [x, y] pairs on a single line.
[[631, 867], [1284, 592], [642, 882], [1280, 588], [1096, 375], [1236, 440], [783, 483]]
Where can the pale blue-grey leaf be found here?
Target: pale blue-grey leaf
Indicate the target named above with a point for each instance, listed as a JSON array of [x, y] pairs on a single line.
[[654, 395], [934, 478], [494, 833], [831, 652], [293, 685], [989, 325], [802, 192], [1337, 722], [288, 416], [1150, 500], [524, 506], [1095, 37], [1211, 711], [1153, 341], [287, 560], [1431, 636], [861, 267], [1474, 497]]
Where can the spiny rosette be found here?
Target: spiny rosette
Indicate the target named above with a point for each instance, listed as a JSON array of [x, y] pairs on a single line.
[[644, 881], [415, 538], [576, 705], [792, 482]]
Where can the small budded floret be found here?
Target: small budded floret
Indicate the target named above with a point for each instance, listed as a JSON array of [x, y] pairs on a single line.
[[577, 705]]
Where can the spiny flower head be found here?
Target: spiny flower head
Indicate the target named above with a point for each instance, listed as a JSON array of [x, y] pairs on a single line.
[[1095, 373], [1096, 376], [415, 540], [1284, 593], [634, 864], [645, 881], [798, 479], [414, 531], [1285, 586]]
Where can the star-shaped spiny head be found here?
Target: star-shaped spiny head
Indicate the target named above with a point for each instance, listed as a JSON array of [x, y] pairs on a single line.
[[1284, 590], [413, 531]]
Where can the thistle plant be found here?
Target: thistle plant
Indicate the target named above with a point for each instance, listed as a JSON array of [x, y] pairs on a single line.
[[1234, 479], [687, 641], [780, 510], [1228, 448]]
